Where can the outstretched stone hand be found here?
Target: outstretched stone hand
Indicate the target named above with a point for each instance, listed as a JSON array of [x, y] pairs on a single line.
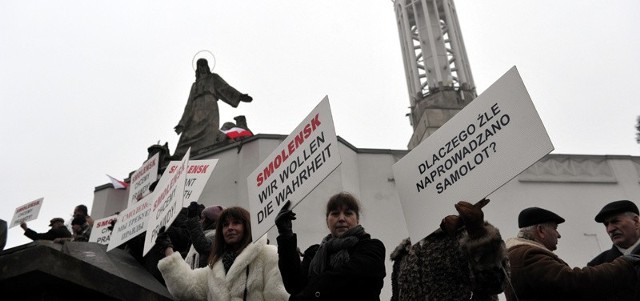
[[178, 129], [246, 98]]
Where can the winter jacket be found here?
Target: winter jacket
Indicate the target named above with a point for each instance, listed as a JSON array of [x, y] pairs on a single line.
[[201, 244], [179, 233], [255, 268], [610, 255], [539, 274], [360, 279], [60, 232], [450, 267], [84, 234]]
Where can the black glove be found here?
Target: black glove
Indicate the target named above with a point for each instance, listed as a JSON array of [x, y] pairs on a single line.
[[194, 210], [112, 224], [284, 218], [163, 241]]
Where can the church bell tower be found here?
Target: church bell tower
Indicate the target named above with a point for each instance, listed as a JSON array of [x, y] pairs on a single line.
[[436, 66]]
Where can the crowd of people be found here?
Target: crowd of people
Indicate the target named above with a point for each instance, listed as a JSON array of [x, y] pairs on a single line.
[[208, 253], [466, 259]]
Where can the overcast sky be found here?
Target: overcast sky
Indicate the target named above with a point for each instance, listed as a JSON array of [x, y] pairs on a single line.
[[87, 86]]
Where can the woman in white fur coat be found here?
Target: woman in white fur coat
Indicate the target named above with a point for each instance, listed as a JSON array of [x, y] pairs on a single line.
[[237, 270]]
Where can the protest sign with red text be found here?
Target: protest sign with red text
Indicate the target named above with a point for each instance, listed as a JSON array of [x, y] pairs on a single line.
[[142, 179], [166, 202], [100, 232], [26, 212], [305, 158]]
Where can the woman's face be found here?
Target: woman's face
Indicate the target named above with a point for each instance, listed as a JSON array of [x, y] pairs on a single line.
[[340, 221], [232, 231]]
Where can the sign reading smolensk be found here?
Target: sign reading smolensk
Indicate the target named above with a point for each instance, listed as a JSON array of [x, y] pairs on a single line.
[[142, 179], [26, 212], [166, 201], [493, 139], [307, 156], [100, 232], [198, 173]]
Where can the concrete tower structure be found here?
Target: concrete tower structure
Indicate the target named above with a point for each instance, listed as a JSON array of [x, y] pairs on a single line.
[[436, 66]]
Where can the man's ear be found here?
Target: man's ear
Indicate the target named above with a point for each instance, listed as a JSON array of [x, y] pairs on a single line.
[[540, 231]]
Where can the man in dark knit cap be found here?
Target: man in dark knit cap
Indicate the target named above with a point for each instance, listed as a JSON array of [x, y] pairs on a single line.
[[539, 274], [620, 219]]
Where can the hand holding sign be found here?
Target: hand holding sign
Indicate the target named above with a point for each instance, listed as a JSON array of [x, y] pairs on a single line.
[[163, 241], [284, 218], [470, 216]]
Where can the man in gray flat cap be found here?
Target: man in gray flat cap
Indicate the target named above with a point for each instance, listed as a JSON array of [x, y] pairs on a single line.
[[539, 274], [620, 219]]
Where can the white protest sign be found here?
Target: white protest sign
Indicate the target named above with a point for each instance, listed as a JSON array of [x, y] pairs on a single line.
[[307, 156], [493, 139], [100, 232], [142, 178], [26, 212], [167, 200], [131, 222], [198, 173]]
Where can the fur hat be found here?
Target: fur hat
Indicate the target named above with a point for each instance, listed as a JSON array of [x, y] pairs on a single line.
[[534, 215], [212, 213], [616, 207]]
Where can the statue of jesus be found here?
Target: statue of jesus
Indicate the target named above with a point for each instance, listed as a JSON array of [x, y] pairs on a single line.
[[200, 123]]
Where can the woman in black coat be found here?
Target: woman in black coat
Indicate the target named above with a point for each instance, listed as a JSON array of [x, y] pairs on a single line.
[[347, 265]]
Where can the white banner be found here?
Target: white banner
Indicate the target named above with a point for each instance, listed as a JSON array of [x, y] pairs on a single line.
[[198, 174], [131, 223], [26, 212], [167, 200], [305, 158], [493, 139], [100, 232], [142, 179]]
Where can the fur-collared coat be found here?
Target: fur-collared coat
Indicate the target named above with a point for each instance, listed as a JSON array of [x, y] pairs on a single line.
[[450, 267], [263, 282], [539, 274]]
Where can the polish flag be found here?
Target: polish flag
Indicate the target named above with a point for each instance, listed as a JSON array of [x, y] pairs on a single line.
[[236, 132], [117, 184]]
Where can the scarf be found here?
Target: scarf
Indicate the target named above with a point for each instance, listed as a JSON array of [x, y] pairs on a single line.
[[227, 259], [334, 251]]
